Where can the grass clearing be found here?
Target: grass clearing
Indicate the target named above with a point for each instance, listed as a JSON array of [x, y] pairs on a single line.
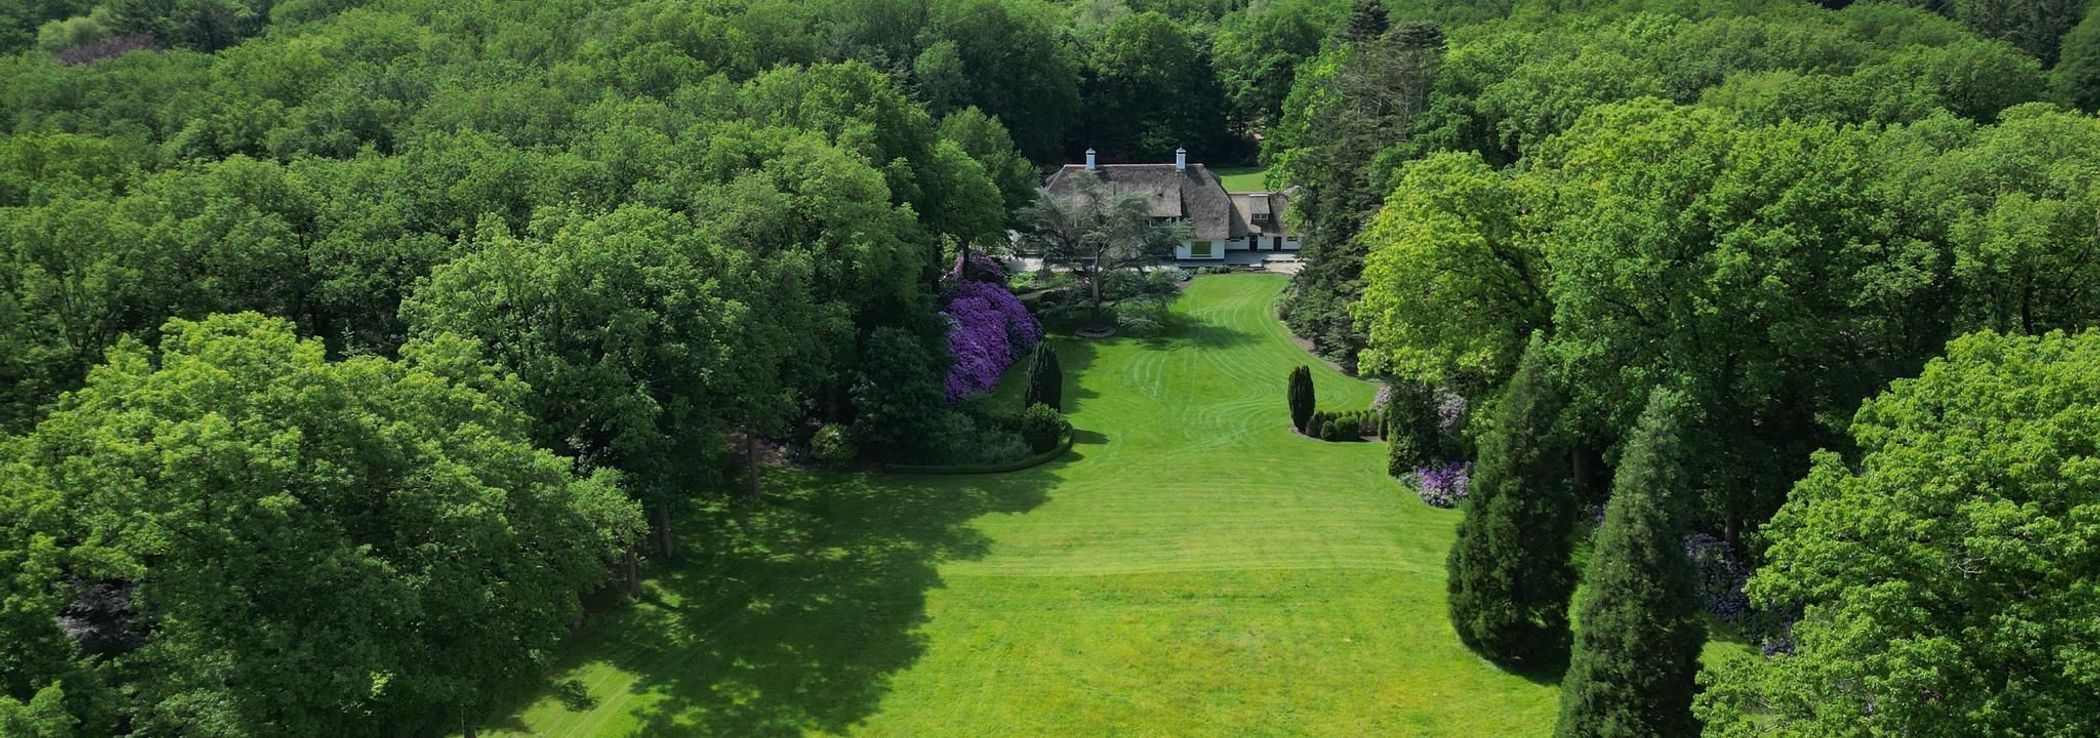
[[1243, 179], [1193, 568]]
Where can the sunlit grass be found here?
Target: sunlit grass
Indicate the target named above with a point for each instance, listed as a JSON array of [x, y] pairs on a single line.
[[1192, 569], [1243, 179]]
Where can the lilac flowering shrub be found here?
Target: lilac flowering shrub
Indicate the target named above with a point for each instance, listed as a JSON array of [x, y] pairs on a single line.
[[106, 49], [1450, 410], [988, 329], [977, 268], [1446, 485], [1718, 575]]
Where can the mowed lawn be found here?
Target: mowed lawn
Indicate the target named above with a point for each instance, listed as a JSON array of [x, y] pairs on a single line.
[[1192, 569], [1243, 179]]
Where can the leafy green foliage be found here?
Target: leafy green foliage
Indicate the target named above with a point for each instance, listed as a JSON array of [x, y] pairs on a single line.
[[2076, 78], [1510, 574], [1412, 431], [833, 445], [1637, 649], [1946, 580], [897, 393], [634, 331], [1150, 91], [398, 545]]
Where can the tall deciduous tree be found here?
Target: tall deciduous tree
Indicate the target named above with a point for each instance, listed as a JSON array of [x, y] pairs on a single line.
[[637, 334], [239, 537], [1637, 648], [1946, 579], [1151, 90], [2077, 73], [1510, 571], [1451, 235]]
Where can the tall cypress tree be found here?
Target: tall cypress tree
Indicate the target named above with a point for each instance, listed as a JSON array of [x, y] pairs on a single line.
[[1510, 573], [1634, 658], [1046, 382], [1302, 399]]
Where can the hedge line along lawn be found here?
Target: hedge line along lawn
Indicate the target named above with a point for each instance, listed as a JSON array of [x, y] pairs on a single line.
[[1192, 569]]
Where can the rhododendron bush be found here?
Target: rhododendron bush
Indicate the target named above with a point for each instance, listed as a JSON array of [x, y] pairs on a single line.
[[988, 329]]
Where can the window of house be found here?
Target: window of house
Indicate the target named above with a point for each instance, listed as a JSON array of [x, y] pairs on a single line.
[[1199, 249]]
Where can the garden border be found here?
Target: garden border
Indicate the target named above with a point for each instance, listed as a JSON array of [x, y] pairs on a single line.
[[1010, 466]]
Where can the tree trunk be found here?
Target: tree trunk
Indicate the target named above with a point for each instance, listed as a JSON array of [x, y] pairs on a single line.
[[751, 464], [1732, 532], [466, 729], [1094, 281], [634, 575], [663, 527]]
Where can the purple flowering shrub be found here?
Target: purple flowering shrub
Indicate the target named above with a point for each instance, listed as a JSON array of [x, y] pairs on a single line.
[[106, 49], [1445, 485], [977, 268], [988, 329], [1719, 575], [1450, 409]]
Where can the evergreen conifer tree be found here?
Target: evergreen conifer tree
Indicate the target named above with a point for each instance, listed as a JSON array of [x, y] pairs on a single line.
[[1302, 399], [1510, 573], [1367, 20], [1046, 382], [1634, 658]]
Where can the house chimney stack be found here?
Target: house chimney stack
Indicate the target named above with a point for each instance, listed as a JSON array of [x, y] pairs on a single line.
[[1181, 160], [1090, 160]]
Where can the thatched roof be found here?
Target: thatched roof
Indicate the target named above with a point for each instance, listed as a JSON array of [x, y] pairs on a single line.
[[1193, 194], [1272, 204]]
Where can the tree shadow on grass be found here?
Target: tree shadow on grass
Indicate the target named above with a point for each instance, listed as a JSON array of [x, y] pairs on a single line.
[[790, 616], [1184, 331], [1074, 355]]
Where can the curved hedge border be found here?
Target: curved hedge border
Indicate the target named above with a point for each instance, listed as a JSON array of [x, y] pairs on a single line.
[[1010, 466]]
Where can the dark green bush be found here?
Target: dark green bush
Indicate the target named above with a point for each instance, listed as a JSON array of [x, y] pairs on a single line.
[[1301, 398], [1046, 381], [1412, 435], [1043, 427]]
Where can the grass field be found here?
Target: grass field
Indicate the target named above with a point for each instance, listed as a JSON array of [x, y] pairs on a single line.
[[1192, 569], [1243, 179]]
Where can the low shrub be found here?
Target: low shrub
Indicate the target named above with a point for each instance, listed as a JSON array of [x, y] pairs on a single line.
[[1141, 317], [1444, 485], [1339, 429], [962, 438], [1043, 427], [1354, 425], [832, 446]]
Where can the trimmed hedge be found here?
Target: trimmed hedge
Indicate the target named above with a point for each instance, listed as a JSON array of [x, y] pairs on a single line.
[[1011, 466], [1354, 425]]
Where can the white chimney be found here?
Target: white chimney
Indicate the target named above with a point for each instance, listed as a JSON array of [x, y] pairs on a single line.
[[1181, 160], [1090, 160]]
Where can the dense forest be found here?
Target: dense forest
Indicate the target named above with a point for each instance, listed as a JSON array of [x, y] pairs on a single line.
[[348, 346]]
